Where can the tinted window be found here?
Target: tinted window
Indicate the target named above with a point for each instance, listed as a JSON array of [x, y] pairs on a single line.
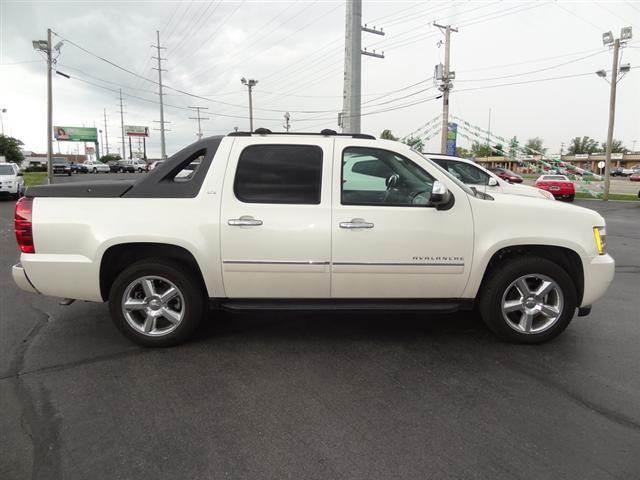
[[371, 176], [279, 174], [466, 173]]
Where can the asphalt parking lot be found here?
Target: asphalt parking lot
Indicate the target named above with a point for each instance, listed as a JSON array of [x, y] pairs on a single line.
[[313, 395]]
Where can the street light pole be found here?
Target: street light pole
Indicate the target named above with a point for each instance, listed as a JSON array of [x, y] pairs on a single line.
[[612, 115], [607, 39], [250, 84]]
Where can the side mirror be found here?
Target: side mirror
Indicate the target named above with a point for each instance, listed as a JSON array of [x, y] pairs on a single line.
[[492, 182], [441, 197], [20, 174]]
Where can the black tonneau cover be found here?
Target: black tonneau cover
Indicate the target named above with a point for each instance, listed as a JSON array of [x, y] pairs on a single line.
[[156, 184], [101, 189]]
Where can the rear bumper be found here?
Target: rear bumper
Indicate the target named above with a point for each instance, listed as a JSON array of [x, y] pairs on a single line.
[[21, 279], [59, 275], [598, 275]]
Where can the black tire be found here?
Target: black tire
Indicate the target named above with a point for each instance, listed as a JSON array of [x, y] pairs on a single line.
[[186, 282], [502, 276], [571, 198]]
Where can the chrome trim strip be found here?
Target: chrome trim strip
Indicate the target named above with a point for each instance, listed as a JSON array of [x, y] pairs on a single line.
[[275, 262], [402, 264]]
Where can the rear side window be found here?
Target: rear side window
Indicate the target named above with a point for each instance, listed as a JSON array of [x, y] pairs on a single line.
[[279, 174]]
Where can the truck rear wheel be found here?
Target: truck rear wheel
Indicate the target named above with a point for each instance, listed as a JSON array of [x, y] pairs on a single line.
[[528, 300], [157, 303]]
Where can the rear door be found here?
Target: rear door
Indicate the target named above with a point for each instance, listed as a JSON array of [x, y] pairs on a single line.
[[276, 218]]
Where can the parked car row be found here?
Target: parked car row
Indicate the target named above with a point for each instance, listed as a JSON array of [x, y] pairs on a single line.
[[624, 172]]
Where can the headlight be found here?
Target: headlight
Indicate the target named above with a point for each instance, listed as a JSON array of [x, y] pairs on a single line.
[[600, 237]]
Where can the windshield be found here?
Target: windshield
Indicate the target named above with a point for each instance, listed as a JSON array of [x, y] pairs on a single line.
[[464, 187], [6, 170], [554, 177], [58, 160]]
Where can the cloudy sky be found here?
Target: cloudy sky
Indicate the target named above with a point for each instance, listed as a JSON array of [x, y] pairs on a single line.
[[530, 63]]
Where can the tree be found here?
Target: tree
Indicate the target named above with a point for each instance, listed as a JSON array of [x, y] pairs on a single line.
[[582, 145], [616, 146], [10, 149], [414, 142], [498, 149], [534, 146], [110, 157], [387, 135], [514, 148], [480, 149], [462, 152]]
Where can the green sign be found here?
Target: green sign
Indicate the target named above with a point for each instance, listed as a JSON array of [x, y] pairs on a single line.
[[75, 134]]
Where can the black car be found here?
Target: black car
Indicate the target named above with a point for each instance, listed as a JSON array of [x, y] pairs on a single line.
[[617, 172], [125, 166], [78, 168], [61, 166]]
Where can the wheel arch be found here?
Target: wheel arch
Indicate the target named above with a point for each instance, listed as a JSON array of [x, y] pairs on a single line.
[[118, 257], [565, 257]]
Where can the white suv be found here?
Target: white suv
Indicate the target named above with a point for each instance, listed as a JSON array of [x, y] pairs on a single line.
[[309, 221], [11, 180]]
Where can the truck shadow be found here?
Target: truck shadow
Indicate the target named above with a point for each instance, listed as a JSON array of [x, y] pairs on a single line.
[[347, 325]]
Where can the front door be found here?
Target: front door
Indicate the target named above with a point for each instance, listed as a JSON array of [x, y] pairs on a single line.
[[387, 241], [276, 219]]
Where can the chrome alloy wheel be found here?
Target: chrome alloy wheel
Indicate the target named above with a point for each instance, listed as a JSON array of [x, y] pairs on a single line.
[[153, 306], [532, 303]]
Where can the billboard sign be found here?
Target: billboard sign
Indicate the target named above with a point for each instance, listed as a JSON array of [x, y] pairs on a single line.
[[136, 131], [581, 156], [452, 135], [75, 134]]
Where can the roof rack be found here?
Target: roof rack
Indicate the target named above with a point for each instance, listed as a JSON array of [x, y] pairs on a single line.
[[325, 133]]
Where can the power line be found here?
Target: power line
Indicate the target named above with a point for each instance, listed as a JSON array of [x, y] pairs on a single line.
[[532, 71]]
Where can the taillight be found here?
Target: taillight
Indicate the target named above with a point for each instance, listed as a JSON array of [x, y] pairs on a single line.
[[22, 225]]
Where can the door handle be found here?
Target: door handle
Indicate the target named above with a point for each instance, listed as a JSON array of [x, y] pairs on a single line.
[[245, 220], [356, 223]]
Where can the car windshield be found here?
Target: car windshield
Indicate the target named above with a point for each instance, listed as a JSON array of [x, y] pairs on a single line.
[[58, 160], [464, 187], [6, 170], [554, 177]]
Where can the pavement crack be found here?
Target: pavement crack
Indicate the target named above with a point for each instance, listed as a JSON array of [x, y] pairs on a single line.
[[78, 363], [611, 415], [39, 419]]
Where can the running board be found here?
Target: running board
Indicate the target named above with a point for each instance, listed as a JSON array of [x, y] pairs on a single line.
[[447, 305]]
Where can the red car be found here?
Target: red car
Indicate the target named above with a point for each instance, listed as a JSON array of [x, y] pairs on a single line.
[[558, 185], [635, 177], [506, 174]]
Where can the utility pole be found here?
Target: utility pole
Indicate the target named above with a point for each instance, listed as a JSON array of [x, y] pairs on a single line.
[[445, 84], [350, 116], [49, 109], [124, 154], [250, 84], [607, 39], [45, 47], [287, 125], [159, 58], [106, 135], [199, 118]]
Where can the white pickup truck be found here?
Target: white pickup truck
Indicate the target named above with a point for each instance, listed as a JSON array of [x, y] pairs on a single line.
[[308, 221]]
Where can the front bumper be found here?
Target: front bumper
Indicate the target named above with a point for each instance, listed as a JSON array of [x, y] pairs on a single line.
[[598, 275], [21, 279]]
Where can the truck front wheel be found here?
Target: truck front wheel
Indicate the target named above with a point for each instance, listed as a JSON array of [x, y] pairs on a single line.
[[528, 300], [157, 303]]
